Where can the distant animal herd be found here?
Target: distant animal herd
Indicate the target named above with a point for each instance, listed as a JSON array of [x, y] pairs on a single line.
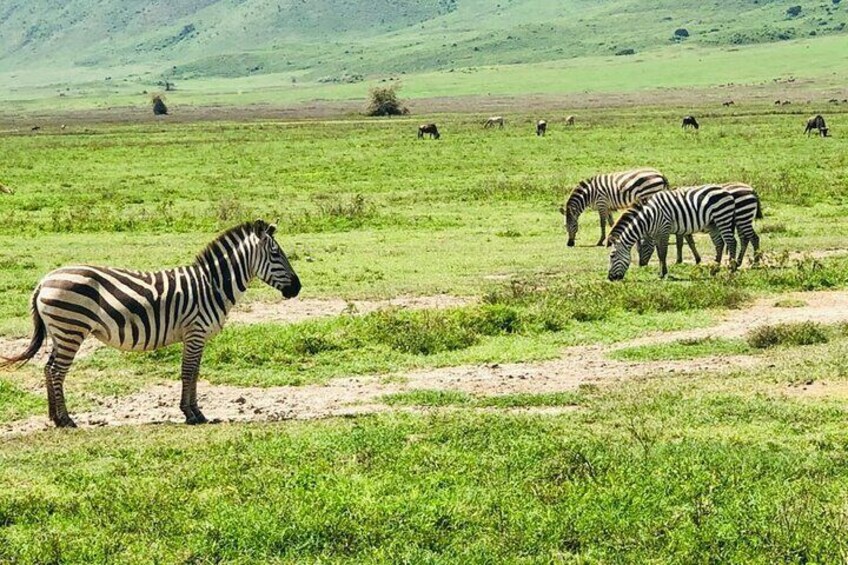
[[815, 123]]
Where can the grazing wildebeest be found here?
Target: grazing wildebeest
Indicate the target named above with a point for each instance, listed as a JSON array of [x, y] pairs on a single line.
[[35, 128], [143, 311], [817, 123], [541, 127], [569, 121], [786, 103], [834, 101], [428, 129], [777, 102], [727, 103], [493, 121], [690, 121]]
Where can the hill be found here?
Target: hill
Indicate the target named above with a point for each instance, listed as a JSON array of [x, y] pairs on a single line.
[[331, 42]]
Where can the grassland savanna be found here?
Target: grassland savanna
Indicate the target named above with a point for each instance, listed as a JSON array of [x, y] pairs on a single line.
[[740, 459]]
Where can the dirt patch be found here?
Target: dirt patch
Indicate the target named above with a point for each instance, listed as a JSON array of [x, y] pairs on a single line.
[[352, 396], [827, 307]]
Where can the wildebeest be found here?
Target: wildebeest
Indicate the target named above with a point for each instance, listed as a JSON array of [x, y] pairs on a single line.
[[690, 121], [727, 103], [817, 123], [785, 103], [834, 101], [777, 102], [569, 121], [541, 127], [430, 129], [35, 128], [493, 121]]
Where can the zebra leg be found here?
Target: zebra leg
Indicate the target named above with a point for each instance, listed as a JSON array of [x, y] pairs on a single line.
[[48, 384], [730, 241], [755, 243], [678, 243], [743, 247], [662, 253], [691, 242], [192, 352], [603, 214], [65, 349]]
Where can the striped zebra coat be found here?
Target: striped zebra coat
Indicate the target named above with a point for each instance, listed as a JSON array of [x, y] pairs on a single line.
[[608, 192], [143, 311], [708, 208], [747, 208]]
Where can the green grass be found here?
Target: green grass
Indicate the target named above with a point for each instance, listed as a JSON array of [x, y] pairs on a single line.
[[439, 398], [672, 469], [683, 349], [16, 403]]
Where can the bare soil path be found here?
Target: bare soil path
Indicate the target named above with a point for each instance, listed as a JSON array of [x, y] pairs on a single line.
[[360, 395]]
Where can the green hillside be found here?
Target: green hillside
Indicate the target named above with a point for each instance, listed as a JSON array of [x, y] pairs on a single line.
[[47, 44]]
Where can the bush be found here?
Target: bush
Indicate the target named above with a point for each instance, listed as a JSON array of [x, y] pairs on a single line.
[[681, 32], [385, 102], [793, 11], [803, 333], [159, 108], [627, 51]]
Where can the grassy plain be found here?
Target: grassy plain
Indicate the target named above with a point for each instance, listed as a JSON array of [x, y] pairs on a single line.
[[739, 468]]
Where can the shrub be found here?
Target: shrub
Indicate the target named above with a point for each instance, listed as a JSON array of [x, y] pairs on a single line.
[[627, 51], [384, 101], [681, 32], [159, 108], [793, 11], [802, 333]]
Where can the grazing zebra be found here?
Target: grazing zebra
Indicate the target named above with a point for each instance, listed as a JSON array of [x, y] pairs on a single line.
[[429, 129], [142, 311], [569, 121], [684, 212], [816, 122], [690, 121], [541, 127], [747, 208], [609, 192], [494, 121]]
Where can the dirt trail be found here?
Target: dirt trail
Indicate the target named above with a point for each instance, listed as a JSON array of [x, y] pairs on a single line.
[[350, 396]]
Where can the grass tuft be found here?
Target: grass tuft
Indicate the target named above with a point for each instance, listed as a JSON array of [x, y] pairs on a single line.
[[801, 333]]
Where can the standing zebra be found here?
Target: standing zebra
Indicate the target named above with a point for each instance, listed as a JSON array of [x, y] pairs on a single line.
[[705, 208], [142, 311], [747, 208], [609, 192]]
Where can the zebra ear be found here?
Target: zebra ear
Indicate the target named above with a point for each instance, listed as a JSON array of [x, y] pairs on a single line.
[[272, 229], [562, 210]]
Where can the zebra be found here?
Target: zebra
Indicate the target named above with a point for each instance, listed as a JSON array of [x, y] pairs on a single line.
[[686, 211], [747, 208], [608, 192], [142, 311]]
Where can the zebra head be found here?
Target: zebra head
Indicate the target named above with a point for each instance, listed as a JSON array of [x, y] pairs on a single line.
[[619, 260], [572, 210], [273, 266], [623, 236]]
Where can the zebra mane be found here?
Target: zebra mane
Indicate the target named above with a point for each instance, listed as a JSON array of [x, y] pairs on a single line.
[[624, 221], [240, 232], [581, 188]]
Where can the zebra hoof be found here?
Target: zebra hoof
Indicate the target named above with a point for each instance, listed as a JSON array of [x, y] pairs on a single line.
[[196, 418], [65, 422]]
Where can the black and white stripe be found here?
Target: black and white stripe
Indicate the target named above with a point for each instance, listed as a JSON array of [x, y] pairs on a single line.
[[708, 208], [142, 311], [608, 192], [747, 208]]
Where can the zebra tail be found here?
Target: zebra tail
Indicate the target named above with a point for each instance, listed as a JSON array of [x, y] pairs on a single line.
[[34, 344], [759, 214]]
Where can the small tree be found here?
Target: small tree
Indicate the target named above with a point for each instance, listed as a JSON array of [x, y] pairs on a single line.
[[384, 101], [159, 108]]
